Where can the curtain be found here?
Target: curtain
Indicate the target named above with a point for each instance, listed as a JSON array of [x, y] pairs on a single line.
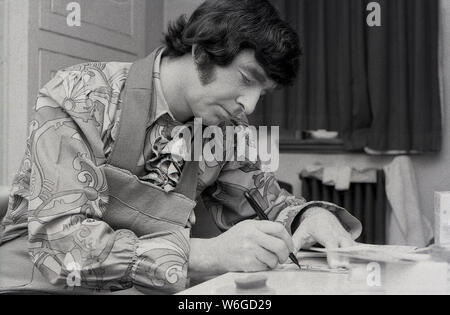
[[402, 60], [377, 86]]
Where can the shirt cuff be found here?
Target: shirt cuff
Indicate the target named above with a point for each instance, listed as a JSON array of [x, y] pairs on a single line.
[[161, 262], [291, 216]]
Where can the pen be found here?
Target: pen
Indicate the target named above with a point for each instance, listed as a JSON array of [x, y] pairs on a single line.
[[263, 216]]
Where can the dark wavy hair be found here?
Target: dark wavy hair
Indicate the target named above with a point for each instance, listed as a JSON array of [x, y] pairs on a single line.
[[221, 29]]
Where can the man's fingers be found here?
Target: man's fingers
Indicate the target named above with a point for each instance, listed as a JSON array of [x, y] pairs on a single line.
[[267, 258], [299, 239], [274, 245], [277, 230], [192, 218], [302, 240], [329, 242], [332, 258], [346, 241], [336, 260]]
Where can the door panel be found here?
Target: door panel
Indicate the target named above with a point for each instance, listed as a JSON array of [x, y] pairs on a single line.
[[116, 24], [50, 62]]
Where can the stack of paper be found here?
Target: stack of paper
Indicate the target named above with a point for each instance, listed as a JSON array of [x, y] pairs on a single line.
[[378, 253]]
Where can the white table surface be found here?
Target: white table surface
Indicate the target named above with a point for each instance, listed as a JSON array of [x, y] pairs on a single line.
[[292, 281], [283, 283]]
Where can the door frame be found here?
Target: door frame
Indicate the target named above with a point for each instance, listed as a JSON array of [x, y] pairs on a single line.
[[16, 82]]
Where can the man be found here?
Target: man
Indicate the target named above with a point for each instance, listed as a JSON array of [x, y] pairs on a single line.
[[102, 203]]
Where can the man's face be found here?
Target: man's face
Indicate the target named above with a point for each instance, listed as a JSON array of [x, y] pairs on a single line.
[[232, 90]]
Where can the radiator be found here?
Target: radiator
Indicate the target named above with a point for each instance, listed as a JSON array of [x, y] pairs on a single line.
[[366, 201]]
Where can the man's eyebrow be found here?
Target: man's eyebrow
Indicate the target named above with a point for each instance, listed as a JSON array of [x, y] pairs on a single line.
[[261, 78]]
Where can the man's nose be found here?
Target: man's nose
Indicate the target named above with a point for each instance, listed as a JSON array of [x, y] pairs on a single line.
[[249, 101]]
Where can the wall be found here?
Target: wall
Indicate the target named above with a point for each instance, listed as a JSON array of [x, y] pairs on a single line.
[[434, 172], [2, 6], [174, 8], [154, 23]]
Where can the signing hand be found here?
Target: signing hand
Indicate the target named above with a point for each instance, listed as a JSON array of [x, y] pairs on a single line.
[[254, 246]]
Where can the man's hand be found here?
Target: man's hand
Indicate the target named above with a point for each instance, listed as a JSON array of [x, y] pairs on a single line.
[[321, 226], [249, 246]]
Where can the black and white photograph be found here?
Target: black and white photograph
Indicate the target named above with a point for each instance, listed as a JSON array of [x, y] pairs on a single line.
[[224, 153]]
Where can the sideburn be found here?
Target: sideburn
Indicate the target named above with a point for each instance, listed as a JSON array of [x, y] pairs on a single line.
[[205, 67], [206, 73]]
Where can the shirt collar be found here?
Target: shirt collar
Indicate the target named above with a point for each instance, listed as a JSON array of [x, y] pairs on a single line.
[[162, 107]]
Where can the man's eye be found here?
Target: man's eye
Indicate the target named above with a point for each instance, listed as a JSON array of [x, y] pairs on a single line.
[[246, 80]]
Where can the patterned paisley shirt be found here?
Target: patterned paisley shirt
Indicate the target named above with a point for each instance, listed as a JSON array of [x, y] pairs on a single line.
[[58, 197]]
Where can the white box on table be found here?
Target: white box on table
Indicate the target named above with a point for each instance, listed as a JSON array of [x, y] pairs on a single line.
[[442, 217]]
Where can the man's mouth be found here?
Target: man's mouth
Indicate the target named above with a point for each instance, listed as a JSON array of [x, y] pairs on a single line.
[[227, 115], [231, 115]]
